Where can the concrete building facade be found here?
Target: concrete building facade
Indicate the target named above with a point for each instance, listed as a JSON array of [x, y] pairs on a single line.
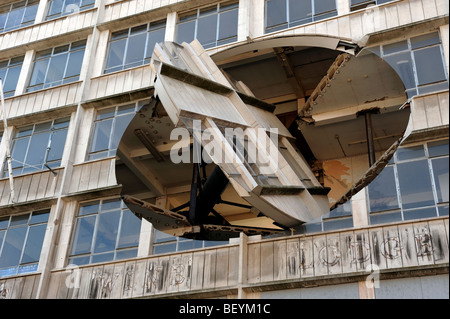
[[75, 73]]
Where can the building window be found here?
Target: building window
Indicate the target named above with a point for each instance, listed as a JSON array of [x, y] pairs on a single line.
[[109, 126], [37, 147], [60, 8], [164, 243], [211, 26], [9, 74], [17, 15], [57, 66], [21, 239], [105, 230], [361, 4], [282, 14], [419, 61], [134, 46], [413, 185]]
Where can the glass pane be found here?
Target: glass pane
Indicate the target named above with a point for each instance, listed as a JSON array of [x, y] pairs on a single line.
[[136, 49], [415, 184], [438, 148], [119, 128], [429, 65], [14, 18], [407, 153], [128, 253], [30, 13], [87, 209], [443, 210], [34, 244], [19, 220], [83, 235], [107, 229], [10, 82], [395, 47], [116, 53], [420, 213], [57, 146], [207, 29], [190, 244], [129, 232], [111, 204], [74, 64], [275, 12], [228, 26], [4, 221], [425, 40], [186, 31], [162, 237], [56, 68], [299, 10], [322, 6], [84, 260], [401, 63], [385, 218], [19, 151], [39, 70], [12, 246], [164, 248], [337, 224], [25, 269], [106, 113], [55, 7], [440, 171], [154, 37], [102, 258], [37, 149], [39, 217], [101, 135]]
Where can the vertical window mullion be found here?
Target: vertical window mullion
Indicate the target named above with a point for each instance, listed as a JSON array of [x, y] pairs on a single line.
[[397, 187], [24, 243]]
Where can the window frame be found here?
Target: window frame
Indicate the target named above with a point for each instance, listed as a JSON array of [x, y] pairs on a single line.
[[90, 155], [9, 271], [11, 63], [365, 3], [418, 88], [27, 4], [159, 25], [401, 211], [64, 7], [41, 166], [289, 24], [53, 53], [195, 14], [93, 240]]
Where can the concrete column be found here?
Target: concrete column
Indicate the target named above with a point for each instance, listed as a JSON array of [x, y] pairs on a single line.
[[42, 11], [25, 72], [445, 38], [171, 27], [343, 6], [242, 270], [256, 16]]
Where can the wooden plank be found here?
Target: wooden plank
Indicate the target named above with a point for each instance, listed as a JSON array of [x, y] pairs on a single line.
[[209, 274], [139, 278], [392, 247], [163, 272], [233, 265], [306, 254], [117, 281], [433, 110], [221, 279], [376, 245], [424, 246], [349, 251], [6, 288], [334, 261], [292, 258], [186, 274], [320, 255], [85, 281], [267, 261], [254, 263], [443, 107], [34, 185], [279, 260], [95, 288], [27, 290], [128, 279], [198, 263], [150, 277], [439, 241], [18, 286], [107, 281], [408, 245]]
